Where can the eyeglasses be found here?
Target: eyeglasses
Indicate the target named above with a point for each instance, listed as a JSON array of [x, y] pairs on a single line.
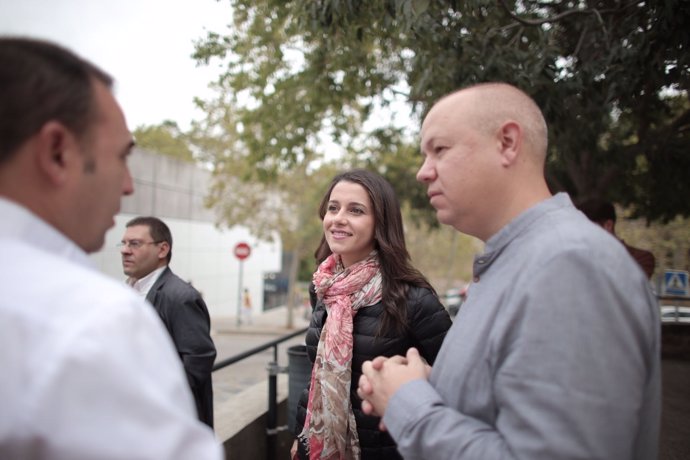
[[135, 244]]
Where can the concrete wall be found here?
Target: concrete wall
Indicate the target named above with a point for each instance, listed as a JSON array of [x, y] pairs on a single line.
[[202, 253], [167, 187], [241, 424]]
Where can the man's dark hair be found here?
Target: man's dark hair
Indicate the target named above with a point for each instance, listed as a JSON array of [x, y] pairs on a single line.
[[598, 210], [40, 82], [157, 228]]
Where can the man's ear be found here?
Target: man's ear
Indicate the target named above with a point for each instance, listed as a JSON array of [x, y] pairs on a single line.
[[164, 250], [510, 140], [54, 153], [609, 225]]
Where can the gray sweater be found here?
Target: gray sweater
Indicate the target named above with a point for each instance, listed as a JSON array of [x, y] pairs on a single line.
[[554, 354]]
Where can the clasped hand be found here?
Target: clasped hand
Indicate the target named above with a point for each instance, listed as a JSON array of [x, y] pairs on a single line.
[[382, 377]]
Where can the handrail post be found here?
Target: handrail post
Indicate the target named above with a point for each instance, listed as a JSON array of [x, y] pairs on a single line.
[[272, 415], [272, 429]]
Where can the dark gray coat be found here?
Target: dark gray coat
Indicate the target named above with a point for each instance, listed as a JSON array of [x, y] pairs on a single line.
[[186, 318], [427, 321]]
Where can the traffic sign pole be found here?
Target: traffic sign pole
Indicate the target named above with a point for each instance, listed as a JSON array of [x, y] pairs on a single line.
[[242, 251], [239, 294]]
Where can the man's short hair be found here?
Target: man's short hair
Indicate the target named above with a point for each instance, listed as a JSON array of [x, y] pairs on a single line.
[[157, 228], [41, 82], [598, 210]]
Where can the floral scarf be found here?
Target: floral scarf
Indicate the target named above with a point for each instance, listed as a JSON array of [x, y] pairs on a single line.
[[330, 431]]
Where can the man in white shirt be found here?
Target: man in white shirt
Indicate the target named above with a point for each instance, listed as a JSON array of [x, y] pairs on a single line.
[[88, 370], [146, 250]]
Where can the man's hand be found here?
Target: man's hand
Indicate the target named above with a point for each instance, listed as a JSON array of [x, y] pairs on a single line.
[[382, 377]]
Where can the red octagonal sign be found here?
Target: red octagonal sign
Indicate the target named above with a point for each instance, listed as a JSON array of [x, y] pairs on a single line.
[[242, 250]]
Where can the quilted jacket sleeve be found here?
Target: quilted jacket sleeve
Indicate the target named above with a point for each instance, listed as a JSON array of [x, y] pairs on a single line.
[[428, 322]]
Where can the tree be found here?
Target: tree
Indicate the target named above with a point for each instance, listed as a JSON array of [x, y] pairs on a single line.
[[166, 139], [241, 192], [442, 254], [611, 76]]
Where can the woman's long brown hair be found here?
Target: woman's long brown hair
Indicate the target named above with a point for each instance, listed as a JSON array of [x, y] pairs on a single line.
[[396, 267]]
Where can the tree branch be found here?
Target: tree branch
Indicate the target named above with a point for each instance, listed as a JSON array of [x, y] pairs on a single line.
[[556, 18], [681, 123]]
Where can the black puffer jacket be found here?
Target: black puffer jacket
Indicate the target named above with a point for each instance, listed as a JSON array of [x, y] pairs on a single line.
[[427, 322]]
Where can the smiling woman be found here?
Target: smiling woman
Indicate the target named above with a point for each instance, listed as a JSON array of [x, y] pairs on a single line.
[[368, 301], [348, 224]]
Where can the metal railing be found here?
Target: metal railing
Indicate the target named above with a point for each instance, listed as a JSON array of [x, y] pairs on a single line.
[[679, 309], [272, 429]]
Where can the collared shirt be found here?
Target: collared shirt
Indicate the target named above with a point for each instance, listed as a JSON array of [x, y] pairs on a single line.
[[88, 371], [143, 286], [554, 354]]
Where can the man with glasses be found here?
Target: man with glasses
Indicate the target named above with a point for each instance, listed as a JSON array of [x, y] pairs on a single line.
[[87, 369], [146, 250]]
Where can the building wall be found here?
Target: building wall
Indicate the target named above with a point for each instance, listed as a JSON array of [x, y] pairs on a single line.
[[174, 191]]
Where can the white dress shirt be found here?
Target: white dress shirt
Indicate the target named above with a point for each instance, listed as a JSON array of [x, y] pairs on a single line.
[[88, 370], [143, 286]]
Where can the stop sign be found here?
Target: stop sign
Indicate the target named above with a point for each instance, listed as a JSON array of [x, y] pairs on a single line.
[[242, 251]]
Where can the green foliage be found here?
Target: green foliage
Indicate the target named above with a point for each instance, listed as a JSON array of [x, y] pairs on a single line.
[[444, 255], [166, 139], [398, 163], [611, 77]]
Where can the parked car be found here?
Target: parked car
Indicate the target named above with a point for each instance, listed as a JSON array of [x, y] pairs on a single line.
[[453, 300], [675, 314]]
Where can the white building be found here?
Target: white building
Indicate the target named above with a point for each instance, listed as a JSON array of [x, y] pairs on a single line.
[[203, 254]]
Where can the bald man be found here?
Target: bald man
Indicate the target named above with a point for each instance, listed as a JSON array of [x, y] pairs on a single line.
[[555, 352]]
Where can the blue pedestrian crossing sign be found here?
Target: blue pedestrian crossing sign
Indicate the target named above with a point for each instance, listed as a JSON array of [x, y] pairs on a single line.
[[675, 283]]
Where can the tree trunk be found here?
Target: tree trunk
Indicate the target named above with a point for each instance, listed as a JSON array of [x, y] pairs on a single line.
[[292, 287]]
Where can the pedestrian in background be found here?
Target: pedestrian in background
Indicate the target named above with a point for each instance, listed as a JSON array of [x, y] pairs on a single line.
[[369, 301], [87, 369], [146, 250], [247, 306], [604, 213], [555, 352]]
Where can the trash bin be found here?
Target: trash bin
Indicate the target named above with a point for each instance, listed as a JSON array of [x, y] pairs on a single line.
[[299, 375]]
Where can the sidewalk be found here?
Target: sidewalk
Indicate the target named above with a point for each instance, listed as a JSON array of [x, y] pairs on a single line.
[[273, 321]]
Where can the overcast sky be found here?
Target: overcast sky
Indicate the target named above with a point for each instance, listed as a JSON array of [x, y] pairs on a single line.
[[145, 44]]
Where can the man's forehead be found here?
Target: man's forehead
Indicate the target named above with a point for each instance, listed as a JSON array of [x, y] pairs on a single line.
[[424, 139], [110, 114], [137, 230], [432, 129]]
